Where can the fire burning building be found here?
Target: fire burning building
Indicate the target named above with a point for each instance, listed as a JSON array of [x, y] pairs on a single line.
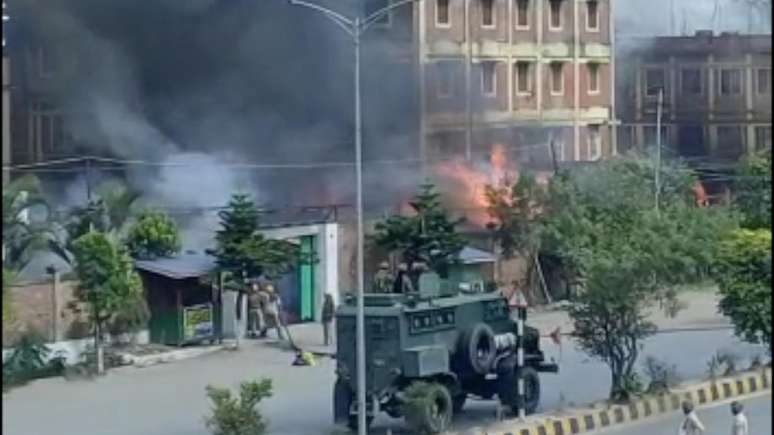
[[716, 94]]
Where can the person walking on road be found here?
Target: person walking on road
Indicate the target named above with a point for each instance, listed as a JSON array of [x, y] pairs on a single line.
[[691, 425], [327, 318], [739, 426]]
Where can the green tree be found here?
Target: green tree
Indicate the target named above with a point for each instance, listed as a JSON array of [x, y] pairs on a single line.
[[107, 284], [153, 235], [429, 235], [602, 222], [108, 212], [752, 190], [743, 273], [238, 416], [22, 235], [516, 213], [243, 251]]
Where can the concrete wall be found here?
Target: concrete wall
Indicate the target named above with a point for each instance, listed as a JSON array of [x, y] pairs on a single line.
[[33, 305], [327, 269]]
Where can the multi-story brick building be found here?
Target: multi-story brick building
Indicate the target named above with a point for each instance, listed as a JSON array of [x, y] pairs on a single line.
[[516, 72], [716, 93]]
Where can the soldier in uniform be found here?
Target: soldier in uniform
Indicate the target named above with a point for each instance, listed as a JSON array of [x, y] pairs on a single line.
[[327, 318], [272, 306], [383, 279], [403, 282], [254, 315]]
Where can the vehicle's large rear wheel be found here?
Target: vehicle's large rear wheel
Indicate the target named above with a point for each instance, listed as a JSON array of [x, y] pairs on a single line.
[[432, 412]]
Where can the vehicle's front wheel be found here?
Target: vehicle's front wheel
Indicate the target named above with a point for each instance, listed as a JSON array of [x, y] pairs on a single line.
[[510, 390], [429, 408]]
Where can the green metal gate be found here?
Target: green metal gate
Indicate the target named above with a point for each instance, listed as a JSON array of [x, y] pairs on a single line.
[[306, 278]]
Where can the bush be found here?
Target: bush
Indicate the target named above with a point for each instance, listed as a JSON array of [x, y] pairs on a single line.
[[631, 386], [722, 363], [662, 376], [238, 416], [30, 360]]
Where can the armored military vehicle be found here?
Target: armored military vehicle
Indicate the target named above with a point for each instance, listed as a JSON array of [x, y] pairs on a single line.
[[457, 339]]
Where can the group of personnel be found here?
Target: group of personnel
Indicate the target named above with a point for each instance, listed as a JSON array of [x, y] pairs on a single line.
[[264, 306], [692, 425], [405, 281]]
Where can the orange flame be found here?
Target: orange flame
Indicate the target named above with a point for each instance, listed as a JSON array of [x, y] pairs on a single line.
[[467, 183]]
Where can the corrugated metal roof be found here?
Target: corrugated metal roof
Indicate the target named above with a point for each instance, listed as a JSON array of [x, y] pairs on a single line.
[[470, 255], [179, 267]]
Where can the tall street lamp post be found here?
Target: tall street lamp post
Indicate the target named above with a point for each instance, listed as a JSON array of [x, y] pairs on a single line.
[[355, 27]]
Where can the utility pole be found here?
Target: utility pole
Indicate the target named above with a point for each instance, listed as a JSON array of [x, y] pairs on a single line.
[[658, 147], [355, 27]]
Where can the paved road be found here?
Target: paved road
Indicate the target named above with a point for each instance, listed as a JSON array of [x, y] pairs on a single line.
[[717, 420], [169, 399]]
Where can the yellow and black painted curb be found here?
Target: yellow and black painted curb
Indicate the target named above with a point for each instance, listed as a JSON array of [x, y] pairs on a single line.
[[601, 418]]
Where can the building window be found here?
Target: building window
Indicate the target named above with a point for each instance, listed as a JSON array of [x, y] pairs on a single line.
[[690, 81], [557, 78], [555, 15], [763, 81], [593, 77], [655, 80], [523, 78], [46, 135], [488, 79], [730, 141], [445, 79], [763, 138], [442, 18], [487, 13], [373, 6], [730, 82], [592, 15], [522, 14]]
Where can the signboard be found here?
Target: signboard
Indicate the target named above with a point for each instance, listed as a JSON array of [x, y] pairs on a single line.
[[197, 322]]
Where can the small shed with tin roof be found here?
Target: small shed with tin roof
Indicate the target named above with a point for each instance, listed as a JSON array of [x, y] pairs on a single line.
[[185, 307]]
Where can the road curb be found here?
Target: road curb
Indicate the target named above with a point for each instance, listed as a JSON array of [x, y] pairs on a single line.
[[603, 416], [166, 357]]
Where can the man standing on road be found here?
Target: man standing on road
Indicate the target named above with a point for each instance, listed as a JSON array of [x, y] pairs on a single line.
[[271, 305], [254, 315], [691, 425], [739, 427], [328, 312]]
